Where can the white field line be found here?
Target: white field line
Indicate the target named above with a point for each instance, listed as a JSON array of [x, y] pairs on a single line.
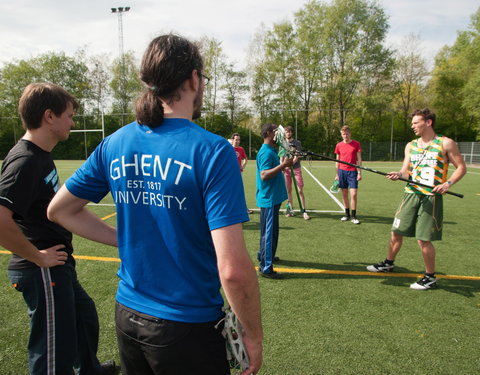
[[327, 191]]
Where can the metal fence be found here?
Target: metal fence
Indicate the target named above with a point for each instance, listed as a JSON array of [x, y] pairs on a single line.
[[470, 152], [88, 126]]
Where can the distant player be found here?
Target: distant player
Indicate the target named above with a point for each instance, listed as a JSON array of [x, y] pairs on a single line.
[[348, 150], [241, 154], [297, 171]]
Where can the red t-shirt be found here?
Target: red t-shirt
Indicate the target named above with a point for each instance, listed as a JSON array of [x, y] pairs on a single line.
[[240, 155], [347, 152]]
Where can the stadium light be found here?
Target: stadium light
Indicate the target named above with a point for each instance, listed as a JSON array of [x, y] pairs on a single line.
[[119, 11]]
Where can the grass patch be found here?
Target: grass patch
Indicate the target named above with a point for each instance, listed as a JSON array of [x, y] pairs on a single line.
[[324, 323]]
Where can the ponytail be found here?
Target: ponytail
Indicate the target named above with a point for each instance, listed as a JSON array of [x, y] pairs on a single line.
[[149, 109]]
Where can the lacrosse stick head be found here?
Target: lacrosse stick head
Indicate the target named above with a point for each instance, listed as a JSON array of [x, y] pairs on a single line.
[[232, 331], [334, 188], [281, 139]]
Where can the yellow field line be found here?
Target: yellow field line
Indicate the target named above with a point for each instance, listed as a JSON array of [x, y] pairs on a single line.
[[309, 271], [366, 273], [109, 216], [87, 257]]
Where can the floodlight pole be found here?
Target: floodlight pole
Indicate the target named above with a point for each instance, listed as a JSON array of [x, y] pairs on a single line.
[[119, 11]]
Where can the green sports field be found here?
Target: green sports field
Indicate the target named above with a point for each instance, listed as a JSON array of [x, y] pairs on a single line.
[[328, 316]]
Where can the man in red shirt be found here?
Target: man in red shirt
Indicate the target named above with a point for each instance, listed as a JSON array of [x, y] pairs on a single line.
[[350, 151], [241, 155], [239, 150]]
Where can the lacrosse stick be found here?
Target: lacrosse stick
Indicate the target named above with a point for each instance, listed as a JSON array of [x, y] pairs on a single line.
[[232, 331], [284, 150], [304, 152]]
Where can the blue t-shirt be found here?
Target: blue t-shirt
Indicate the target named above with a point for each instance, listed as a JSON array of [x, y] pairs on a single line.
[[273, 191], [171, 186]]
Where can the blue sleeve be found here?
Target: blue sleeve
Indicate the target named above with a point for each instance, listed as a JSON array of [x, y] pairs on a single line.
[[90, 181], [265, 161], [224, 197]]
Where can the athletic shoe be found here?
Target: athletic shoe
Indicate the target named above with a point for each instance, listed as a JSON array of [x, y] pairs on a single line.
[[288, 210], [427, 282], [355, 220], [380, 267], [271, 275], [305, 216], [250, 211], [109, 368], [345, 218]]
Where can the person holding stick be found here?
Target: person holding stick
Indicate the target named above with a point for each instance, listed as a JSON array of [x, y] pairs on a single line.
[[348, 150], [420, 213], [297, 171], [271, 192]]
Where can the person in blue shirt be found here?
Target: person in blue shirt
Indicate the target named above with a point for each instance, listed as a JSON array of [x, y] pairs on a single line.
[[271, 192], [179, 232]]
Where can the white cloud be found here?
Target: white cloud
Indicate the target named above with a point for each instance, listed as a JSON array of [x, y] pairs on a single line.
[[31, 27]]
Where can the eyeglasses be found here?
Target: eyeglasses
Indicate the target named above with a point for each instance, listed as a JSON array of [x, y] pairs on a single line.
[[205, 78]]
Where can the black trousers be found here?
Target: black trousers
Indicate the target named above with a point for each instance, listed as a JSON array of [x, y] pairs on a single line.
[[153, 346]]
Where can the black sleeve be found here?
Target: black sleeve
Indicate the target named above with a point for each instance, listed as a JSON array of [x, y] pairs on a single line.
[[19, 184]]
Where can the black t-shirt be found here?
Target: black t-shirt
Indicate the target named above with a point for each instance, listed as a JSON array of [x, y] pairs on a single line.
[[28, 182]]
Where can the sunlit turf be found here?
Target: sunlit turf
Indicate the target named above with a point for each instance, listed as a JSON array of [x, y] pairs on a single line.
[[324, 323]]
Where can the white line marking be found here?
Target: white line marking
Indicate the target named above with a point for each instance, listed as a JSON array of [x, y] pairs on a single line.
[[326, 190]]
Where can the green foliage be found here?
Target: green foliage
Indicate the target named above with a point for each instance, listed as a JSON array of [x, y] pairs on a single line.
[[326, 67], [454, 85], [125, 85]]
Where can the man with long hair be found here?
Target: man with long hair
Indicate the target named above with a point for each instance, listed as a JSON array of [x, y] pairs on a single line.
[[180, 208]]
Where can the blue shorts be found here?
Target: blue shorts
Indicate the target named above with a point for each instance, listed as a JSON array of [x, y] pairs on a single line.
[[347, 179]]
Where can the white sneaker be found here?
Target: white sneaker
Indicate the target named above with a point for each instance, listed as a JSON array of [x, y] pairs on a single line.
[[426, 283], [345, 218], [355, 220]]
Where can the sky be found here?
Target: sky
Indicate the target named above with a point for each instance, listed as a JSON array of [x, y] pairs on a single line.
[[32, 27]]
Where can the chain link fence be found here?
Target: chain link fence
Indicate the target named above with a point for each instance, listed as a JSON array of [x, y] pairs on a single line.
[[91, 129]]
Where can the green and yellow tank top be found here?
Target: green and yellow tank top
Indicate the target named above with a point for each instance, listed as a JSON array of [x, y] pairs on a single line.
[[427, 165]]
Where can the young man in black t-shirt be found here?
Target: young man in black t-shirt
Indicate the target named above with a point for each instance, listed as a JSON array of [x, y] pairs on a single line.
[[63, 318]]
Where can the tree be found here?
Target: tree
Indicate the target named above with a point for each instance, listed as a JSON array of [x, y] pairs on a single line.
[[260, 76], [99, 77], [214, 67], [409, 75], [280, 58], [354, 33], [453, 85], [125, 84], [66, 71], [235, 88], [310, 60]]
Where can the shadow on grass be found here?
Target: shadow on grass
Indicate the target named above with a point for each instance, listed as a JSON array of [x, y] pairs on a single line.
[[466, 288], [365, 219]]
